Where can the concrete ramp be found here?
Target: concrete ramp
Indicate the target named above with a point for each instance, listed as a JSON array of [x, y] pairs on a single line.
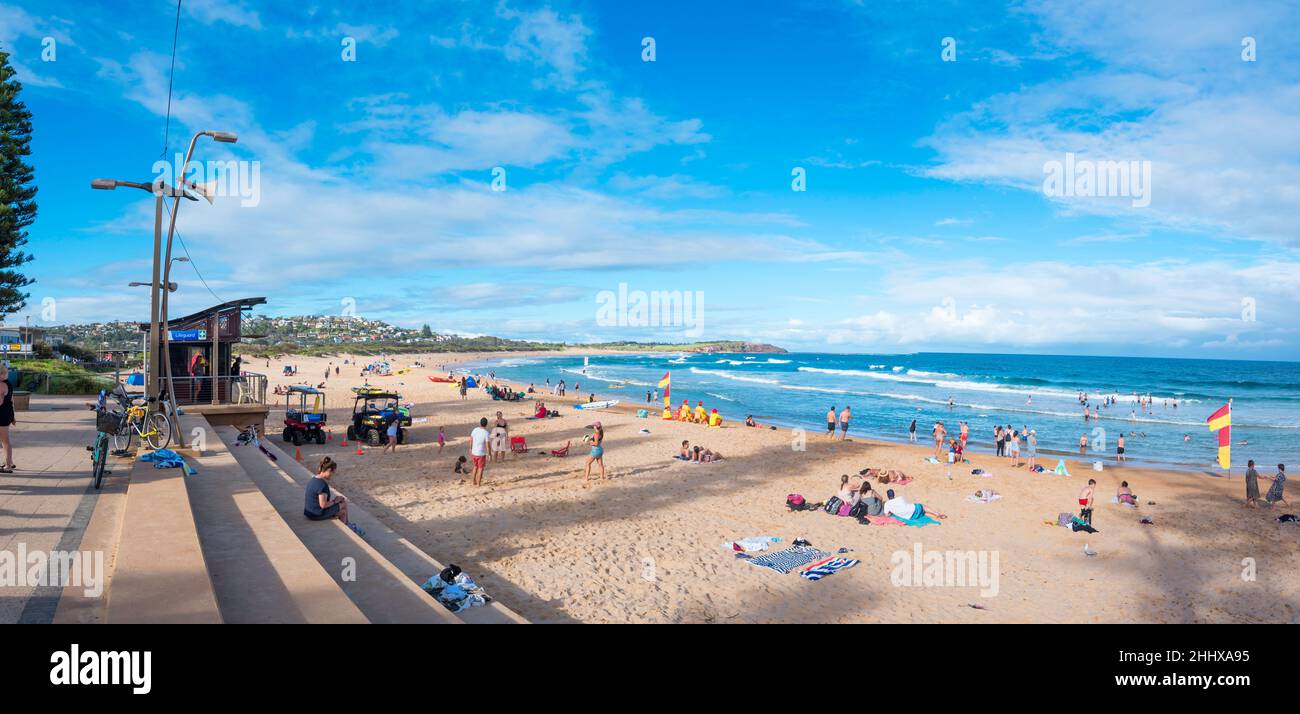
[[159, 574]]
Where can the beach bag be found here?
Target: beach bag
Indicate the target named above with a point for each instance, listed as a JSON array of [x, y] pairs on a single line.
[[845, 509], [795, 502], [859, 510], [642, 414], [1065, 519], [833, 506]]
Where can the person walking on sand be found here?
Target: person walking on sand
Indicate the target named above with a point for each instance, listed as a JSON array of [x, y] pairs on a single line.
[[844, 423], [7, 419], [479, 449], [597, 441], [1031, 443], [939, 434], [1252, 484], [442, 439], [830, 423]]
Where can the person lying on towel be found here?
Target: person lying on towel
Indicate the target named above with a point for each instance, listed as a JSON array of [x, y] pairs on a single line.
[[898, 507]]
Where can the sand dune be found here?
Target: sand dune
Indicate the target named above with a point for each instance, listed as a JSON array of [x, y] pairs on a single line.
[[645, 545]]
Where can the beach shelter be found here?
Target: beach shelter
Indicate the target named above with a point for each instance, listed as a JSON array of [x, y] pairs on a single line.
[[1060, 468], [470, 383]]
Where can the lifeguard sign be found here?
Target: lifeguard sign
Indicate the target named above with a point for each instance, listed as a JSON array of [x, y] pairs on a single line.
[[187, 335]]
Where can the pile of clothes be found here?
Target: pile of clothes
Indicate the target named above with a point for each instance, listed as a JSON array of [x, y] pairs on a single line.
[[167, 459], [456, 590]]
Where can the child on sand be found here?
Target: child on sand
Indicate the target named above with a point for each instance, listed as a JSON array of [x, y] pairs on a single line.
[[1085, 501], [391, 444], [442, 440], [1252, 484]]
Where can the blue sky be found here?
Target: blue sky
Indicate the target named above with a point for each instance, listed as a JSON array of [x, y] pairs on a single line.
[[924, 225]]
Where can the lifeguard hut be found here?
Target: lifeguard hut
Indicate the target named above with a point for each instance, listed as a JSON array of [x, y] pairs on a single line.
[[206, 377]]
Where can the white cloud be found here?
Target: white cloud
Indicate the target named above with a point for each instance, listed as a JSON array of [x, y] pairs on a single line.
[[231, 12], [1221, 134]]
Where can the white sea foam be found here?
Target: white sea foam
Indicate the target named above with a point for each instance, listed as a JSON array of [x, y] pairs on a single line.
[[736, 377]]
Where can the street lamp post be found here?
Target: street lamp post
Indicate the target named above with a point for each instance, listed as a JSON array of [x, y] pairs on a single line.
[[158, 338]]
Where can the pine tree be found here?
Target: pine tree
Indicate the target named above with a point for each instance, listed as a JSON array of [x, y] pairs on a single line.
[[17, 190], [425, 332]]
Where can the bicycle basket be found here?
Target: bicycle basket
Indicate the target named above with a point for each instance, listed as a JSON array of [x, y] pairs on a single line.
[[108, 422]]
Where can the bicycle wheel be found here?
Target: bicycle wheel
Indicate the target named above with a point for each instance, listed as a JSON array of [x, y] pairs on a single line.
[[122, 439], [101, 458], [159, 430]]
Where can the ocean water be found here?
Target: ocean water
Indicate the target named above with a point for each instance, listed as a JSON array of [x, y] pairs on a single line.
[[886, 392]]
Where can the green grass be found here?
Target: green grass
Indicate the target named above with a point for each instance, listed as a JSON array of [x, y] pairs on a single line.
[[53, 376]]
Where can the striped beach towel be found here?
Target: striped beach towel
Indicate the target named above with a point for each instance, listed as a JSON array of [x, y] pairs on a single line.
[[828, 567], [783, 561]]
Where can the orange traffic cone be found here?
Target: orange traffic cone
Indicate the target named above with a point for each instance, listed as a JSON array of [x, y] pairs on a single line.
[[359, 451], [297, 454], [345, 443]]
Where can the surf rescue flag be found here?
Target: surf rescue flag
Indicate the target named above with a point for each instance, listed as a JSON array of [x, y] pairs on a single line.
[[1221, 421], [663, 384]]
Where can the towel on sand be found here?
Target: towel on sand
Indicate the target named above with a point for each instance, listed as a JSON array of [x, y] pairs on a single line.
[[884, 521], [827, 567], [783, 561], [917, 522]]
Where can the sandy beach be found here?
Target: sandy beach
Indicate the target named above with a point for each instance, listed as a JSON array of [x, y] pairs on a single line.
[[646, 545]]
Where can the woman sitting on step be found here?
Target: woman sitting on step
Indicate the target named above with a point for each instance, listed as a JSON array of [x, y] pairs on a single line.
[[322, 504]]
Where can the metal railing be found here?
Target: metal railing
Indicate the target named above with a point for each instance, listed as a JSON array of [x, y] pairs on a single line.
[[248, 388]]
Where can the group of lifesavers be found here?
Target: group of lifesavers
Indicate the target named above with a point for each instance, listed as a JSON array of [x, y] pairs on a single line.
[[697, 416]]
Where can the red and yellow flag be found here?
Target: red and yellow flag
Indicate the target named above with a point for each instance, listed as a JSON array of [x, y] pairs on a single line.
[[1221, 421], [664, 385]]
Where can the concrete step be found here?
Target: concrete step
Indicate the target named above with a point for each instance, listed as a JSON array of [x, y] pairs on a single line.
[[160, 575], [380, 590], [410, 560], [103, 534], [261, 572]]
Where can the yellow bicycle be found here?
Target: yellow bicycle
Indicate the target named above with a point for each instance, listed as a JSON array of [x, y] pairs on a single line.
[[153, 428]]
